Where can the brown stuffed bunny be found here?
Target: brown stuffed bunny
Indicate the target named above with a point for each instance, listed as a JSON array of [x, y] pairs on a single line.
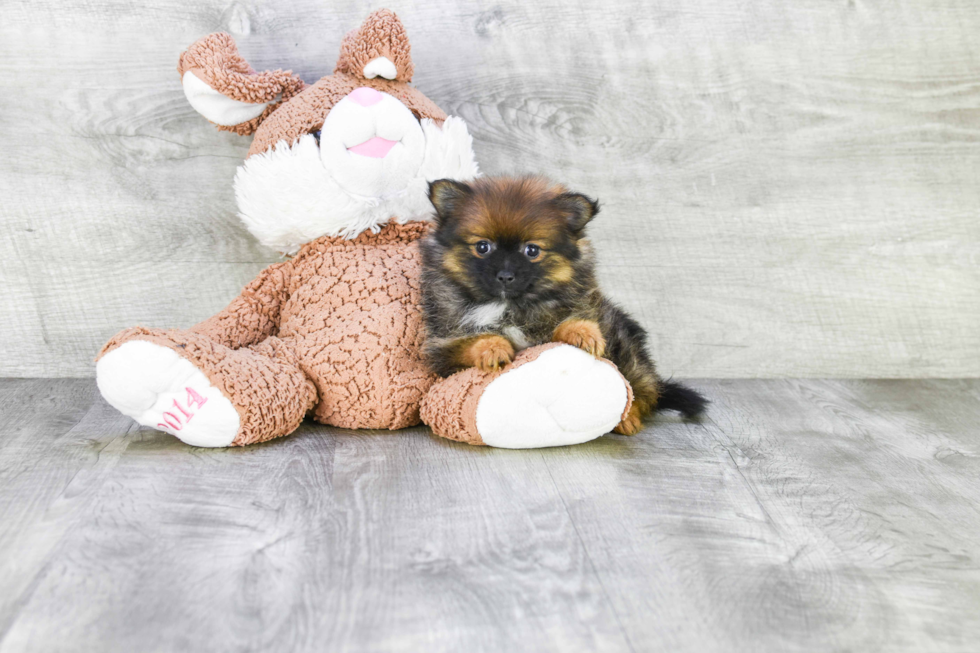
[[337, 176]]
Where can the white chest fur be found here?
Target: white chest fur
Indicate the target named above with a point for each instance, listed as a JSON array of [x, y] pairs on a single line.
[[517, 337], [488, 316], [484, 315]]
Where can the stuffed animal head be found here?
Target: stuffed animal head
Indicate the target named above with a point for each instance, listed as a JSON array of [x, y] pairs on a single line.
[[349, 153]]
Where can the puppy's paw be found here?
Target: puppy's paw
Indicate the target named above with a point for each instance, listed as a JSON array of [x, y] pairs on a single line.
[[490, 353], [584, 334], [631, 424]]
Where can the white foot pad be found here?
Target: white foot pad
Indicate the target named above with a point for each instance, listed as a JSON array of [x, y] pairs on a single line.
[[564, 396], [158, 388]]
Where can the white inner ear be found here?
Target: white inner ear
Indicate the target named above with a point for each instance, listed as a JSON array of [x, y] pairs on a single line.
[[220, 109], [380, 67]]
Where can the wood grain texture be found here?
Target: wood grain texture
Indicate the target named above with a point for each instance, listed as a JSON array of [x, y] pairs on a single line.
[[789, 188], [801, 515]]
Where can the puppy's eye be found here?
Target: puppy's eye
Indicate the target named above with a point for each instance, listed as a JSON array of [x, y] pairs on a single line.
[[532, 251], [482, 248]]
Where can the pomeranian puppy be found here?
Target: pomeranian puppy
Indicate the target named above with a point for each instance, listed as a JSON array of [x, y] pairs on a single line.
[[508, 267]]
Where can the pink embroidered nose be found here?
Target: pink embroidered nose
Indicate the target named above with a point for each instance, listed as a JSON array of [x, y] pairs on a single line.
[[365, 96]]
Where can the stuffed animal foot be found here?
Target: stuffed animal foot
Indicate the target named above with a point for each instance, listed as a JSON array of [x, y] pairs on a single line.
[[153, 385], [550, 396]]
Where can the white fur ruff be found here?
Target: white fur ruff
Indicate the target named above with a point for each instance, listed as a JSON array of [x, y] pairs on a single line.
[[286, 197], [484, 315]]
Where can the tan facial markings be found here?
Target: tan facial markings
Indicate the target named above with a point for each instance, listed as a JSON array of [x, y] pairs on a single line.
[[560, 270], [454, 265]]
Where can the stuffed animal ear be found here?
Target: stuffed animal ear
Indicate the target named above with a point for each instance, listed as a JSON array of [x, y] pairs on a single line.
[[378, 48], [446, 196], [223, 88], [578, 209]]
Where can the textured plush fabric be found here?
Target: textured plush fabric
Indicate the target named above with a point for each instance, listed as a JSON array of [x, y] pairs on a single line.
[[337, 329], [381, 35], [353, 316], [216, 61], [254, 315], [450, 407]]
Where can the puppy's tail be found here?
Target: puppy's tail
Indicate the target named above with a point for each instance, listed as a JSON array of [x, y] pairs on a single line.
[[688, 402]]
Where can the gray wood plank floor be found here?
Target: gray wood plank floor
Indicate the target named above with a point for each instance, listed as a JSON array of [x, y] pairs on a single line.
[[801, 515]]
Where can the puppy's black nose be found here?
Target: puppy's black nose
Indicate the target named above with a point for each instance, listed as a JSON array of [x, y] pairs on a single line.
[[505, 277]]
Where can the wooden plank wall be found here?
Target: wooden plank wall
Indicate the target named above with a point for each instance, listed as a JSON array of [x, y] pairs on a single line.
[[790, 188]]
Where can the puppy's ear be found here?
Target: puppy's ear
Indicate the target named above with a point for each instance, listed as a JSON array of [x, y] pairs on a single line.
[[447, 196], [578, 209]]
